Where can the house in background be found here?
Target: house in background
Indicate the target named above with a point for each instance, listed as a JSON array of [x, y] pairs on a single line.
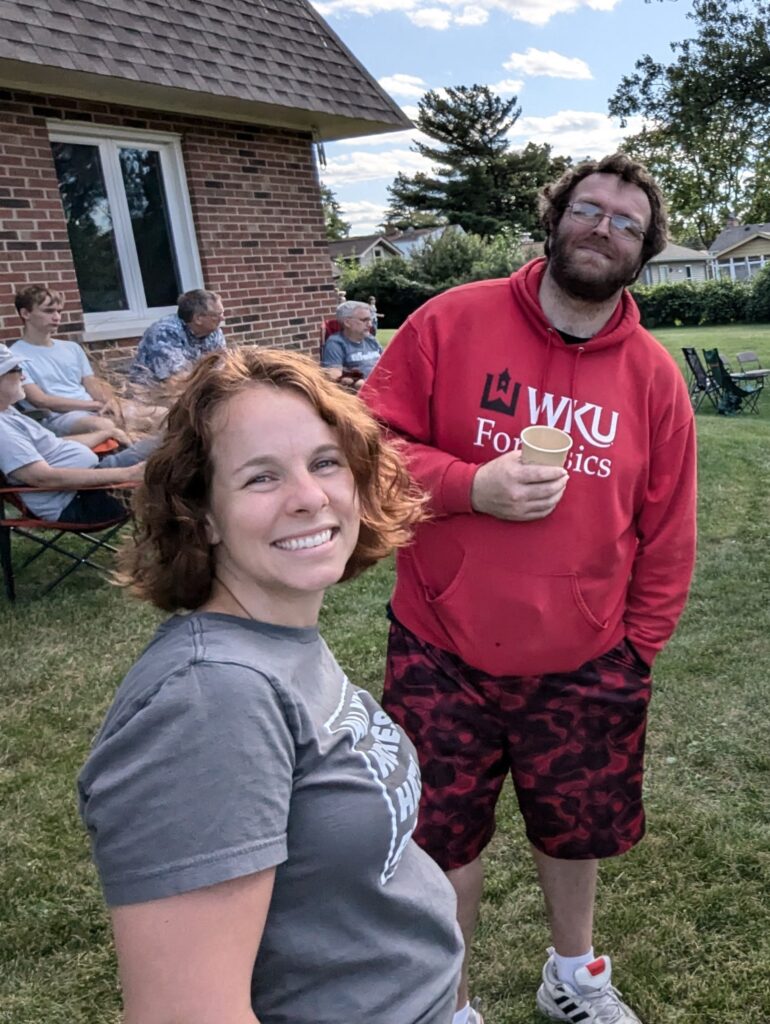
[[363, 250], [411, 240], [675, 264], [740, 250], [152, 146]]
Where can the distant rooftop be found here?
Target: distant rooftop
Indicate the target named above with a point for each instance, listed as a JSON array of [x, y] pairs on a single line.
[[357, 245], [732, 236], [272, 62], [679, 254]]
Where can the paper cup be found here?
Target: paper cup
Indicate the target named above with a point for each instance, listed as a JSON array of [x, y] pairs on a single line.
[[544, 446]]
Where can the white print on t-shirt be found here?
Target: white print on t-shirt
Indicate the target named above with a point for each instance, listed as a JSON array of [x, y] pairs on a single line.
[[378, 741], [581, 419], [489, 433]]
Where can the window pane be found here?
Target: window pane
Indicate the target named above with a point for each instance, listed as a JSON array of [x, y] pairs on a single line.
[[741, 270], [147, 205], [89, 226]]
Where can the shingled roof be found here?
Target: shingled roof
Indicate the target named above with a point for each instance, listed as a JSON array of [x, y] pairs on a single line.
[[272, 62], [731, 237]]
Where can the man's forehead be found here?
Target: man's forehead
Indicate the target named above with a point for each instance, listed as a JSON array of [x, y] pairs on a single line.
[[611, 188], [49, 302]]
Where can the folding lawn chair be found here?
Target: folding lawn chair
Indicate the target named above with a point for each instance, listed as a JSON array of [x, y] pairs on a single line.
[[750, 367], [700, 383], [735, 395], [53, 536], [748, 361]]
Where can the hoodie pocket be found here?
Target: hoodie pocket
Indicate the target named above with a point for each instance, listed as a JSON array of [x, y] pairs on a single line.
[[524, 623]]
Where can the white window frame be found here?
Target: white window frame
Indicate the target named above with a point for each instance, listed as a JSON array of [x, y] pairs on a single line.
[[125, 323]]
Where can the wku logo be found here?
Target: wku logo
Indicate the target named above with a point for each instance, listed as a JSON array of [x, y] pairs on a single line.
[[498, 394], [597, 426]]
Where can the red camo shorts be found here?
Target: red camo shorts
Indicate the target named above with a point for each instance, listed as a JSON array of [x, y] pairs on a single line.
[[573, 742]]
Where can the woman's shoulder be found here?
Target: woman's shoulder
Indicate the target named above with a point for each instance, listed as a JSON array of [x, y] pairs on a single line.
[[194, 659]]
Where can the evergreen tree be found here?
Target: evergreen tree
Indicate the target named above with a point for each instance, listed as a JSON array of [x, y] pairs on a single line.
[[478, 182], [336, 228]]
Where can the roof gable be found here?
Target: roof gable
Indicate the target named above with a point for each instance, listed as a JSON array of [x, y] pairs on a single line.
[[680, 254], [359, 245], [742, 241], [731, 237], [264, 61]]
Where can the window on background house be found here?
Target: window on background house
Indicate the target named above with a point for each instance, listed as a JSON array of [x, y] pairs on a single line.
[[688, 271], [755, 264], [129, 223], [740, 269]]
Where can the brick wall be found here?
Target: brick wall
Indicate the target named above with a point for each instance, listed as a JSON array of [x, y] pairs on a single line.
[[256, 208]]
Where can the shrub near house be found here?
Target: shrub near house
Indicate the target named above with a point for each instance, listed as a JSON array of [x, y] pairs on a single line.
[[703, 303], [402, 284]]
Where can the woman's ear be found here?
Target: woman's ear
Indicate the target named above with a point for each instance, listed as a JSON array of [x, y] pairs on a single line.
[[213, 536]]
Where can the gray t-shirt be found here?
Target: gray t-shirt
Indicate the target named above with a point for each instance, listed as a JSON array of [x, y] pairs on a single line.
[[234, 746], [351, 355], [58, 368], [23, 441]]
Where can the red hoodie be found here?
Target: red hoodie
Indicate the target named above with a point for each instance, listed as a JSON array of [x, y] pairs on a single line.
[[460, 380]]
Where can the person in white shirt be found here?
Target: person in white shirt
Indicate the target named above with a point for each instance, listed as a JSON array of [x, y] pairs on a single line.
[[60, 380]]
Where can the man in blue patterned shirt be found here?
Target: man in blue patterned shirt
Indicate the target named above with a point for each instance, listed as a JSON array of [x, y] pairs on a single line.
[[174, 343]]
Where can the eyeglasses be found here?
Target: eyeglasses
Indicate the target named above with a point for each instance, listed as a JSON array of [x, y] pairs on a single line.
[[590, 213]]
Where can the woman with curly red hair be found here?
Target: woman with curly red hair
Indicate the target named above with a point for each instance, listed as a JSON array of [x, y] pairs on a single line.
[[250, 809]]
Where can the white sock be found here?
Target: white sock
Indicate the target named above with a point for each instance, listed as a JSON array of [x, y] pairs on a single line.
[[461, 1017], [567, 965]]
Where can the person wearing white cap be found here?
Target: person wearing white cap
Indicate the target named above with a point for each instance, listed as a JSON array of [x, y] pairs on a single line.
[[31, 455]]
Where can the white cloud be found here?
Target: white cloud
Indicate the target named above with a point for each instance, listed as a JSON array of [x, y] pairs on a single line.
[[364, 217], [356, 167], [548, 64], [431, 17], [508, 87], [403, 85], [575, 133], [427, 13], [366, 7], [540, 12], [472, 15], [393, 139]]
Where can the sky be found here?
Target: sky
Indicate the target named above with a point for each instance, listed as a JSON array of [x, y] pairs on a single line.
[[562, 59]]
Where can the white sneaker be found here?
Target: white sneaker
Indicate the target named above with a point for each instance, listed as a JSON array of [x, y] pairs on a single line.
[[592, 1000]]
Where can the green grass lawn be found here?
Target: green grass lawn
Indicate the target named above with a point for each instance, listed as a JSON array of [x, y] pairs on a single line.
[[686, 915]]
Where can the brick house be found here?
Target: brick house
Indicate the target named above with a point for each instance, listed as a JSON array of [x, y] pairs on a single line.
[[152, 146]]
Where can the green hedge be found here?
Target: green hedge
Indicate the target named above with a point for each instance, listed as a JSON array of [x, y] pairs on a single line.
[[704, 302], [402, 285]]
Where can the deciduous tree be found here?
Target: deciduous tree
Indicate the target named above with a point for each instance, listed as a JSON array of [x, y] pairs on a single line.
[[707, 117]]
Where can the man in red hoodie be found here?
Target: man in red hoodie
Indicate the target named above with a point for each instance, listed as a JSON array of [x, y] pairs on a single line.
[[529, 609]]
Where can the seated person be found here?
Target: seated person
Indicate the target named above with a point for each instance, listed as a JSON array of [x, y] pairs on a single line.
[[30, 455], [352, 349], [59, 378], [176, 342]]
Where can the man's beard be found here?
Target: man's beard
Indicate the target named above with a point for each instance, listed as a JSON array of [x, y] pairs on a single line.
[[580, 284]]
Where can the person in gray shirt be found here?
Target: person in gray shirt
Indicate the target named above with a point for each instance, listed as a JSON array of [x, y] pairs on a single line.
[[352, 352], [250, 809], [32, 456]]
